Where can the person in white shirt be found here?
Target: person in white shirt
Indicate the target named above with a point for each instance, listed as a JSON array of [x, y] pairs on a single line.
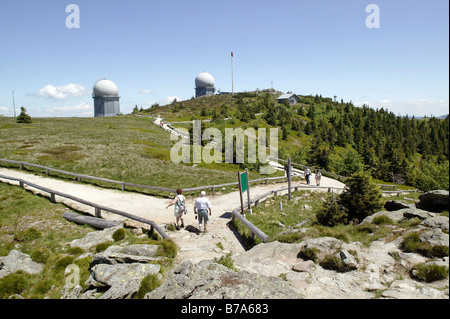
[[180, 207], [202, 207]]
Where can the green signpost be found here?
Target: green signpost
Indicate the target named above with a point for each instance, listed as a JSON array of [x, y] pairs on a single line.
[[243, 182]]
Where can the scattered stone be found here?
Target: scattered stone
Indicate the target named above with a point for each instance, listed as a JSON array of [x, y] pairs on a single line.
[[434, 237], [94, 238], [348, 259], [408, 289], [440, 222], [323, 246], [209, 280], [18, 261], [304, 266]]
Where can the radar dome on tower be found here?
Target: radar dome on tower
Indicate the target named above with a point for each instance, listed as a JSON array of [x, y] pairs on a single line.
[[204, 84], [106, 98]]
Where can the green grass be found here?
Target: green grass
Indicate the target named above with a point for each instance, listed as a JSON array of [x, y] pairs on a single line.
[[35, 226], [124, 148], [281, 225]]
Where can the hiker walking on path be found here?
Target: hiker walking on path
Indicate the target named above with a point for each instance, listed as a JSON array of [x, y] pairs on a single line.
[[180, 207], [318, 177], [307, 175], [202, 206]]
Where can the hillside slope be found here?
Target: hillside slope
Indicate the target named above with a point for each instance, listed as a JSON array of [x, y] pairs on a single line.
[[335, 136]]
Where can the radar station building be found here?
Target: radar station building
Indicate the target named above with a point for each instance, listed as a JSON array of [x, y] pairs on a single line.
[[106, 98], [204, 84]]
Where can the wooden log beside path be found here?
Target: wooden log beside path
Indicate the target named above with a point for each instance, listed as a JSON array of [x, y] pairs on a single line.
[[99, 223]]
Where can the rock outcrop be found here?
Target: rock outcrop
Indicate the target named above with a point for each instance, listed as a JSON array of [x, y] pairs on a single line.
[[434, 201], [210, 280], [18, 261], [117, 272], [95, 237], [316, 268]]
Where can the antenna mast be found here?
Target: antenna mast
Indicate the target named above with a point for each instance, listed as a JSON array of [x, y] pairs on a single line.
[[14, 104], [232, 76]]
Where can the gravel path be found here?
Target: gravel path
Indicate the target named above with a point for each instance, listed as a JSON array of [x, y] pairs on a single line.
[[218, 241]]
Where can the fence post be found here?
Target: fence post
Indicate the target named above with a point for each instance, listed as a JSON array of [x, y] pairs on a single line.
[[289, 179], [52, 197], [98, 212]]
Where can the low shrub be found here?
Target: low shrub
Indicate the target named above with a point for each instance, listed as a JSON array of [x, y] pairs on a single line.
[[119, 234], [226, 261], [167, 248], [382, 220], [412, 244], [429, 273], [14, 284], [309, 253], [333, 262], [27, 235], [148, 284]]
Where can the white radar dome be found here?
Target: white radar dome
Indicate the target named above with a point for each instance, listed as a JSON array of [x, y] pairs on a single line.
[[106, 88], [204, 80]]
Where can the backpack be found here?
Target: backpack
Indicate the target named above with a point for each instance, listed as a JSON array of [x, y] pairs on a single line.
[[181, 205]]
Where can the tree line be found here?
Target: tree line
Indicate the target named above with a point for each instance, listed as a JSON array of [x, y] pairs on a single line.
[[342, 138]]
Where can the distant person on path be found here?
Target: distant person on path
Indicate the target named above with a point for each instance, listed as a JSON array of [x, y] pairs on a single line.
[[202, 207], [318, 177], [180, 207], [307, 175]]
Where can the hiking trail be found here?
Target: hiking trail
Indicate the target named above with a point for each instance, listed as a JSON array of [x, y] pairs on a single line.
[[219, 239]]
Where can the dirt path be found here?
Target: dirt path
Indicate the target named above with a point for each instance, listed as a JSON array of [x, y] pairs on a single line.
[[218, 241]]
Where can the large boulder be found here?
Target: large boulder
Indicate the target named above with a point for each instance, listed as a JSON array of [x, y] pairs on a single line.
[[94, 238], [321, 246], [18, 261], [396, 216], [416, 213], [121, 280], [118, 272], [409, 289], [434, 201], [269, 259], [436, 222], [393, 205], [435, 237], [209, 280]]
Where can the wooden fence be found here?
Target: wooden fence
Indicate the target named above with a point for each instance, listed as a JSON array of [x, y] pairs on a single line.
[[81, 177], [98, 208], [236, 213]]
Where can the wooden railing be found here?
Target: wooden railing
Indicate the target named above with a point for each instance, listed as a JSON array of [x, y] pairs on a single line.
[[81, 177], [98, 208], [236, 213]]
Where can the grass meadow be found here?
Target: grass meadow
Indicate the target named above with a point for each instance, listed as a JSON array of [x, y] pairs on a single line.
[[125, 148]]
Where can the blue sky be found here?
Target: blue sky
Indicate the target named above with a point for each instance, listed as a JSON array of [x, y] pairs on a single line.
[[153, 51]]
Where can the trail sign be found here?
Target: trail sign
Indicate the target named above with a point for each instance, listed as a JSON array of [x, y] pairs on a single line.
[[244, 183], [244, 186]]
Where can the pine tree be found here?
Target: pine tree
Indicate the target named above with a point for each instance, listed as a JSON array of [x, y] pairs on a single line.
[[361, 198], [23, 116]]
